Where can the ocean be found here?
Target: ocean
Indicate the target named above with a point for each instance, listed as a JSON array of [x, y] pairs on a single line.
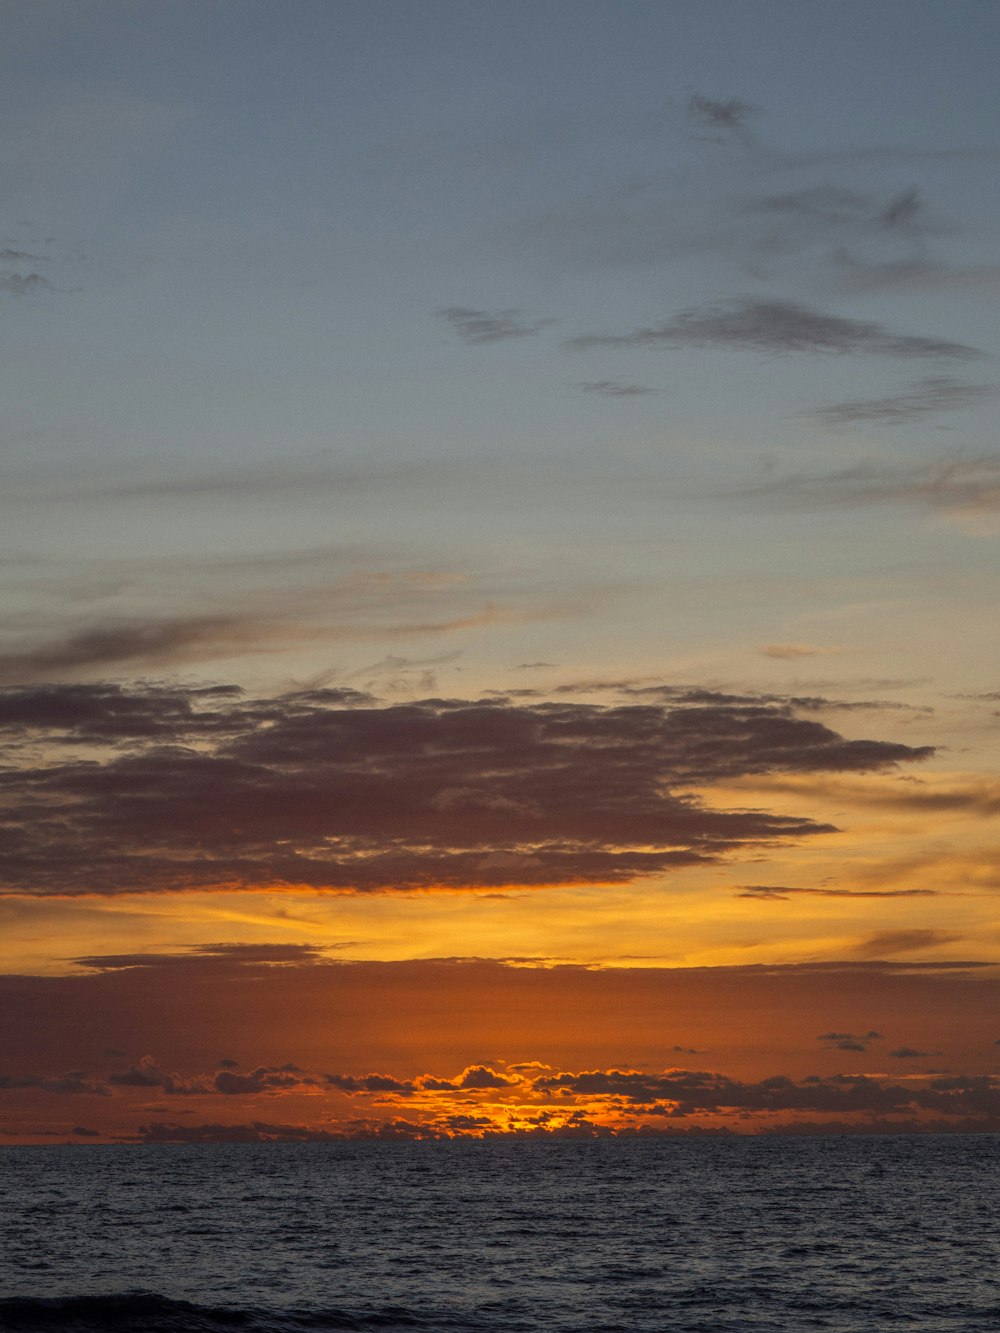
[[673, 1235]]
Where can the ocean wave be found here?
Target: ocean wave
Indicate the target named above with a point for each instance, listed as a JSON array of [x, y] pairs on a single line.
[[147, 1312]]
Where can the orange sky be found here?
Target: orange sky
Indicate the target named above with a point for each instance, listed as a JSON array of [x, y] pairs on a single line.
[[281, 1036], [498, 570]]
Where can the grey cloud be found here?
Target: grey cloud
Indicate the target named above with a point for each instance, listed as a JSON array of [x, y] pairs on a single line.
[[489, 326], [932, 394], [908, 1053], [779, 327], [322, 788]]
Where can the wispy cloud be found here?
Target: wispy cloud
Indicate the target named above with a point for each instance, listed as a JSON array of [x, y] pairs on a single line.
[[779, 892], [778, 327], [490, 326], [932, 394]]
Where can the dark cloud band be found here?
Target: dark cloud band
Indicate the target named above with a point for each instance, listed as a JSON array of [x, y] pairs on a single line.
[[162, 789]]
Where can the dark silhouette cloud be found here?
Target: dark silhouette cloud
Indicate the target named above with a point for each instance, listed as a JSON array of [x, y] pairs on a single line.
[[320, 788], [779, 327], [490, 326], [932, 394]]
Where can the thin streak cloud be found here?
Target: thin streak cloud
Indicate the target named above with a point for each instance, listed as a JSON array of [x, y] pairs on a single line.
[[779, 327]]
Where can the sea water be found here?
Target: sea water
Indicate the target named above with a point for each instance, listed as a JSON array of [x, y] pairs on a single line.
[[672, 1235]]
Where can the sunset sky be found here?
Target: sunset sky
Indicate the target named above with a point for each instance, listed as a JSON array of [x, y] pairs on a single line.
[[499, 532]]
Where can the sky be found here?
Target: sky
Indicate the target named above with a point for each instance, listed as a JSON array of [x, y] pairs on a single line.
[[498, 557]]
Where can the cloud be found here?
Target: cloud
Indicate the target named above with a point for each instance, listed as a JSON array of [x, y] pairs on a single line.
[[932, 394], [155, 642], [18, 284], [490, 326], [775, 892], [730, 115], [958, 486], [913, 273], [778, 327], [264, 1078], [321, 788], [73, 1084], [356, 614], [908, 1053], [613, 388], [790, 652], [848, 1041], [238, 955], [886, 942]]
